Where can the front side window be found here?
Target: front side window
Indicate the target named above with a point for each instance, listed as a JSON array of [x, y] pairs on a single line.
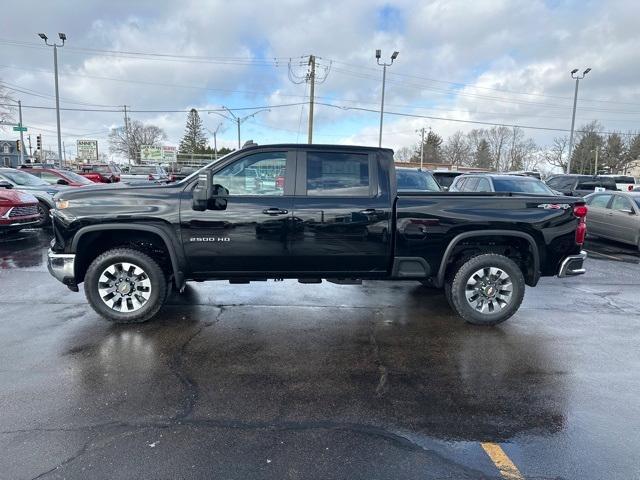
[[600, 201], [337, 174], [470, 184], [258, 174], [483, 185]]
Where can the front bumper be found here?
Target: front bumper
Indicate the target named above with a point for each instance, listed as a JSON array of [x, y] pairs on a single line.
[[573, 265], [62, 267]]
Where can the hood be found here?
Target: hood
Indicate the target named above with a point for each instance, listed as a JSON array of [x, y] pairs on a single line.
[[16, 196]]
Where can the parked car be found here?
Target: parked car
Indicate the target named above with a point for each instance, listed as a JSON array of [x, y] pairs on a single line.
[[527, 173], [624, 183], [615, 215], [128, 245], [150, 173], [416, 180], [18, 209], [484, 182], [580, 185], [101, 173], [182, 173], [445, 178], [44, 192], [56, 176]]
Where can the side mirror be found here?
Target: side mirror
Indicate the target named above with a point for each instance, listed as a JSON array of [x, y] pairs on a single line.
[[202, 191], [62, 181], [5, 184], [445, 189], [219, 198], [628, 211]]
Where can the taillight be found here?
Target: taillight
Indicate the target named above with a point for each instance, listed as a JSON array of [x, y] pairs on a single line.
[[580, 211], [629, 188], [150, 177]]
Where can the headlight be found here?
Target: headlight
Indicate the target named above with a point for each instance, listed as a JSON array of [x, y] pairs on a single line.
[[62, 204]]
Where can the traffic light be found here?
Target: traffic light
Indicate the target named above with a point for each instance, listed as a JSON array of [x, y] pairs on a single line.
[[39, 142], [18, 146]]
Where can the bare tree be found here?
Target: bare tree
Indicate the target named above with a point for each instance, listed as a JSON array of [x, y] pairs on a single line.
[[555, 155], [130, 143], [404, 154], [6, 106], [497, 138], [457, 150]]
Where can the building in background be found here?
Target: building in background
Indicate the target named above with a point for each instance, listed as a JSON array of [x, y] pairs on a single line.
[[9, 154]]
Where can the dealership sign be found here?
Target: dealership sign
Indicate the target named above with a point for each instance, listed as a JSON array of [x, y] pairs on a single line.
[[150, 153], [87, 150]]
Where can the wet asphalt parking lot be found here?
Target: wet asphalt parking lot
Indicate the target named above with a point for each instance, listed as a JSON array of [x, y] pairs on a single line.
[[282, 380]]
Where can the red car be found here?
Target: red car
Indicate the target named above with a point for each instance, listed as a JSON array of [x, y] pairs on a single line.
[[101, 173], [17, 210], [56, 176]]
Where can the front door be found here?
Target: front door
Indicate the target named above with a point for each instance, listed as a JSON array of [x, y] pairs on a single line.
[[251, 234], [597, 220], [343, 220]]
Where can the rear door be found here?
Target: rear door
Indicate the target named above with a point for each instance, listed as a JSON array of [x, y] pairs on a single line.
[[597, 216], [342, 217]]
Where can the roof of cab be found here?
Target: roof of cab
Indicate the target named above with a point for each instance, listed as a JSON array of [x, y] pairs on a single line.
[[315, 146]]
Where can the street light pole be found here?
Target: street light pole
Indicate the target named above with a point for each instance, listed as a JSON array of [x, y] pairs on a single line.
[[384, 66], [238, 120], [573, 116], [55, 46], [21, 132]]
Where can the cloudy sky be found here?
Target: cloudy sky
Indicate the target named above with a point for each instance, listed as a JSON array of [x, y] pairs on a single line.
[[503, 62]]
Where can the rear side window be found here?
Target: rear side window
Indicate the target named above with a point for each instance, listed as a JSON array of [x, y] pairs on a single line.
[[337, 174], [521, 185], [470, 184], [483, 185], [624, 179], [620, 203], [561, 183], [600, 201]]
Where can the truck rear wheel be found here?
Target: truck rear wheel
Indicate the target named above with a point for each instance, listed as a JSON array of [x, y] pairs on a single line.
[[125, 286], [486, 289]]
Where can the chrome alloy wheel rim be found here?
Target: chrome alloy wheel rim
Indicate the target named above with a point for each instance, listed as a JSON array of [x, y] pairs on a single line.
[[489, 290], [124, 287]]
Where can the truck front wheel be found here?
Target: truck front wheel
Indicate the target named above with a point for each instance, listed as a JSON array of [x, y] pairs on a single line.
[[486, 289], [125, 286]]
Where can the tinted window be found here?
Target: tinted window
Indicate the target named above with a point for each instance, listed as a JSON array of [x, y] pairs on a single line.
[[445, 179], [258, 174], [600, 201], [337, 174], [561, 183], [624, 179], [483, 185], [415, 180], [620, 203], [49, 177], [520, 185], [592, 183], [470, 184]]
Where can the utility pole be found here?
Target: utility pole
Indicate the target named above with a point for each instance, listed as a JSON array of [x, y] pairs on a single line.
[[64, 152], [126, 134], [55, 46], [421, 147], [30, 151], [21, 134], [595, 171], [215, 140], [573, 116], [312, 88], [312, 78], [384, 66]]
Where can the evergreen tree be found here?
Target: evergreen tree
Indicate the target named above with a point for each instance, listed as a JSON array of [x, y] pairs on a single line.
[[433, 148], [194, 139], [482, 157]]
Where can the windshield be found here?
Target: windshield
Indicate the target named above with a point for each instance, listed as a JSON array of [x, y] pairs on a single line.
[[520, 185], [74, 177], [416, 181], [445, 179], [24, 179], [97, 169]]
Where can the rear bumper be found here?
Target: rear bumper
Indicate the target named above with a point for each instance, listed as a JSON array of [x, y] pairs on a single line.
[[62, 267], [573, 265]]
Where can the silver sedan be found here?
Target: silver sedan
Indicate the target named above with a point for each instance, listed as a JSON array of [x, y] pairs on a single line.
[[615, 215]]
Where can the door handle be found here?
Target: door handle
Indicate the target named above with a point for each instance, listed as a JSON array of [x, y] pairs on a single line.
[[275, 211], [368, 211]]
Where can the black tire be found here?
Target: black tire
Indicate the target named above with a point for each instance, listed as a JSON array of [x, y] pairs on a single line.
[[151, 269], [43, 210], [457, 289]]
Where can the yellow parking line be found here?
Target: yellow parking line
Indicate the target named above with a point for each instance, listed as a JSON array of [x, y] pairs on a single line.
[[504, 464]]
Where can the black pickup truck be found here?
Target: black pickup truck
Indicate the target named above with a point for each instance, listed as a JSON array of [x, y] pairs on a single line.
[[310, 212]]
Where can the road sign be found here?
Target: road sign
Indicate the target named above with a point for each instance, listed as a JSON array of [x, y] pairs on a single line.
[[18, 128], [169, 153], [87, 150]]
